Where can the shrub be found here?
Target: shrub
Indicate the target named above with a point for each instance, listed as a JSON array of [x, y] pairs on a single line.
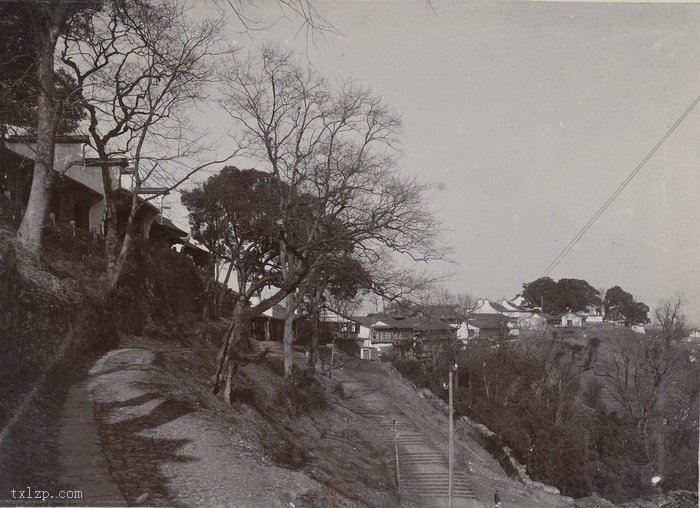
[[390, 356], [412, 370], [301, 399]]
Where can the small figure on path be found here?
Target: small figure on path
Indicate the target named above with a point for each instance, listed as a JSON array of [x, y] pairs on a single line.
[[497, 500]]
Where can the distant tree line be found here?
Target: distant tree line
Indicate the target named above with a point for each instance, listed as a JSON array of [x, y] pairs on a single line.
[[575, 295]]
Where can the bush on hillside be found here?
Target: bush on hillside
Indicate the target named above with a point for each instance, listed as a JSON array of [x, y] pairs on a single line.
[[274, 397], [542, 399], [157, 285]]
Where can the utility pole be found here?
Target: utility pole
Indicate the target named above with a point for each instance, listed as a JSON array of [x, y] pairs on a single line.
[[396, 454], [330, 371], [451, 460]]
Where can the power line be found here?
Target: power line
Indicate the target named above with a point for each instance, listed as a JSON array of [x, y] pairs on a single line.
[[617, 191]]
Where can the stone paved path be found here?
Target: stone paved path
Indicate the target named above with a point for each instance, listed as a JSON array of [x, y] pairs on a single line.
[[83, 465], [423, 468]]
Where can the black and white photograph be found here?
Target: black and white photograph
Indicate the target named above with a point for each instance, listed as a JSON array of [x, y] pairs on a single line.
[[349, 253]]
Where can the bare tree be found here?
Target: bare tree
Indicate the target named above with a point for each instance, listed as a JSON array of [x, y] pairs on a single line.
[[670, 318], [139, 66], [47, 21], [637, 374], [333, 150]]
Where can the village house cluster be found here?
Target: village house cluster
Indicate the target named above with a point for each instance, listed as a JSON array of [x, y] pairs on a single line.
[[432, 325]]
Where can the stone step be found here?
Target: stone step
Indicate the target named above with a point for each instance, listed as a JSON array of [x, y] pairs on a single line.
[[455, 484], [417, 475], [464, 491], [456, 489]]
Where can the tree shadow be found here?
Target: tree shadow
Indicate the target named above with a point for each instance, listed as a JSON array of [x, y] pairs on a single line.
[[135, 460]]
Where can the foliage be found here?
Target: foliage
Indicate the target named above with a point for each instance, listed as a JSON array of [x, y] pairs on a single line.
[[562, 296], [410, 369], [543, 400], [19, 88], [235, 214], [619, 305]]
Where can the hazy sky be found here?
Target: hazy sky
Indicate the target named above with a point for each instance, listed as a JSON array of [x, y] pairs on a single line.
[[526, 116]]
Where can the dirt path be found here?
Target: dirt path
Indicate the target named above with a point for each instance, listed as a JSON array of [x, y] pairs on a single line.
[[81, 461], [423, 467], [168, 448]]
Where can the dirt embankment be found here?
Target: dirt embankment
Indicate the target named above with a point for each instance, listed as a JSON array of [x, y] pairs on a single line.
[[47, 314], [55, 308], [278, 444]]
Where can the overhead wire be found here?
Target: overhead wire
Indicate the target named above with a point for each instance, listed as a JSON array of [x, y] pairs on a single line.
[[617, 192]]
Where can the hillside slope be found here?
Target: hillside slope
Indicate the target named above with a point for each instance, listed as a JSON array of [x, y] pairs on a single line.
[[169, 441]]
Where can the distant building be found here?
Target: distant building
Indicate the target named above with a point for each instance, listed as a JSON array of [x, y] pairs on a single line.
[[377, 333], [78, 193], [78, 196], [484, 306], [512, 310], [270, 324], [484, 326], [639, 329], [693, 337], [196, 251], [451, 314], [594, 319], [573, 319], [593, 315], [537, 321]]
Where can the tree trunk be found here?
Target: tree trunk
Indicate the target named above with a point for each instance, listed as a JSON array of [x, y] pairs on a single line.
[[209, 307], [289, 335], [222, 294], [31, 229], [111, 225], [206, 305], [315, 316], [111, 235], [123, 251], [313, 354], [227, 359], [486, 383]]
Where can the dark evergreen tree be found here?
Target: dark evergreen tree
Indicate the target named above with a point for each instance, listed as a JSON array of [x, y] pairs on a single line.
[[619, 305]]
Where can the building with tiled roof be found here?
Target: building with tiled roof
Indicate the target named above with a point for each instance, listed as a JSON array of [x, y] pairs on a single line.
[[450, 313]]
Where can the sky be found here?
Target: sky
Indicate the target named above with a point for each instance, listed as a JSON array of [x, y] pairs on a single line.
[[525, 117]]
